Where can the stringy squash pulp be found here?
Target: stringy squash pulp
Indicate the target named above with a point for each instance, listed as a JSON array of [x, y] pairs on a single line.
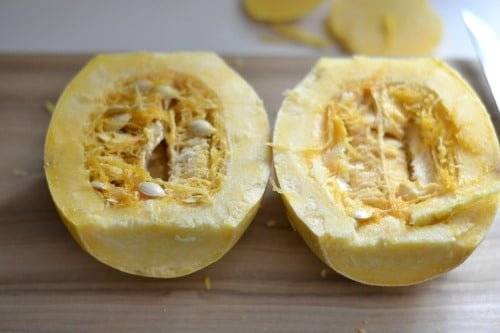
[[390, 169], [157, 162]]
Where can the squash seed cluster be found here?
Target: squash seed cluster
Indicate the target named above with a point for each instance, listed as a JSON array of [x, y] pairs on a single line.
[[157, 136]]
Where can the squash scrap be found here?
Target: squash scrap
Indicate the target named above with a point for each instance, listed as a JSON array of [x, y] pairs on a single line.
[[385, 27], [279, 11], [299, 35], [279, 14]]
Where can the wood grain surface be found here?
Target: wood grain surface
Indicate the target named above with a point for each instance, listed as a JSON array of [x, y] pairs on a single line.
[[269, 282]]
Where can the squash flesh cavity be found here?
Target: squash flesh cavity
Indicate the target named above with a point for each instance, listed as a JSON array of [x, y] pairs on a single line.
[[387, 163], [389, 146], [141, 130], [156, 162]]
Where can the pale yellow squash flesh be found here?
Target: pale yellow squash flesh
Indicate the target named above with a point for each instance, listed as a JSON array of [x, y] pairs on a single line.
[[389, 168], [184, 122], [385, 27], [279, 11]]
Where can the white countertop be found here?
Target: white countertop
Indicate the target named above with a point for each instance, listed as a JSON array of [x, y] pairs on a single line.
[[91, 26]]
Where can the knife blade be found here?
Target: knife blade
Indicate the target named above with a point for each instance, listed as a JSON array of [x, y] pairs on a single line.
[[487, 47]]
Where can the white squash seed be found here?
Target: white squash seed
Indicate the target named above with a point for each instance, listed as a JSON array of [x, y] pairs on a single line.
[[117, 122], [98, 185], [362, 214], [167, 92], [201, 128], [103, 137], [111, 201], [191, 200], [151, 189]]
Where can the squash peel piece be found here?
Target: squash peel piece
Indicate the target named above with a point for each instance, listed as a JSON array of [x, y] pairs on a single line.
[[299, 35], [385, 27], [389, 168], [157, 162], [279, 11]]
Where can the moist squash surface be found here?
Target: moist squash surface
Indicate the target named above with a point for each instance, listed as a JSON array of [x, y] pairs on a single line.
[[157, 162], [389, 168]]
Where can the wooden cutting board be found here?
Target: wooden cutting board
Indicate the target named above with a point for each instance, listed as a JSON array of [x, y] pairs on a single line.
[[270, 281]]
